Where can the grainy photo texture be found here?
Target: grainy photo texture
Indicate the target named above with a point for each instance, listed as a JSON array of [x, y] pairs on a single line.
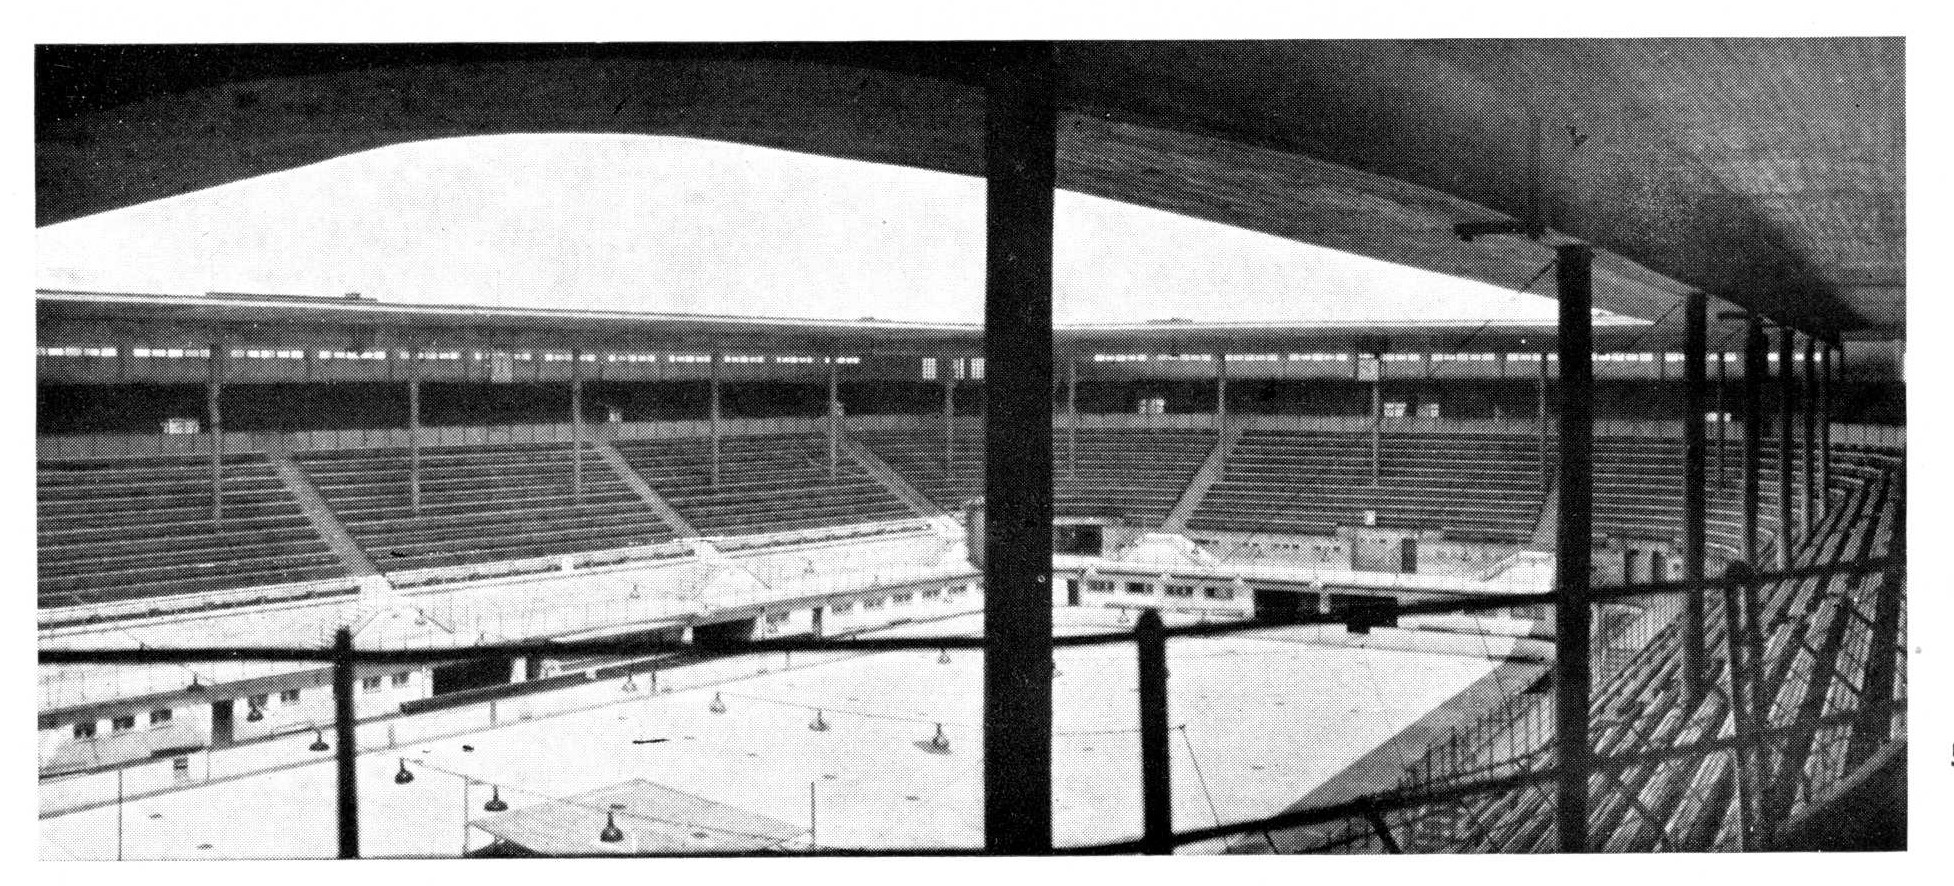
[[1275, 447]]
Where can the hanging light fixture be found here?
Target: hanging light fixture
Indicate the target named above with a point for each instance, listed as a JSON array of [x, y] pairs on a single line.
[[403, 776], [943, 656], [196, 683], [630, 685], [611, 833], [819, 724], [495, 803], [718, 705], [319, 741], [254, 715], [940, 742]]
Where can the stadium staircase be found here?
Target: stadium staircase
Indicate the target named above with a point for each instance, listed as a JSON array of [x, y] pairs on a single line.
[[768, 483], [480, 504], [1204, 479], [1311, 482], [131, 528], [648, 495]]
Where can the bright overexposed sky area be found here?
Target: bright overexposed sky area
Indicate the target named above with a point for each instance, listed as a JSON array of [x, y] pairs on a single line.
[[677, 225]]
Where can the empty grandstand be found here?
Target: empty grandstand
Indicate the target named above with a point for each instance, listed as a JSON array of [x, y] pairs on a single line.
[[1351, 542]]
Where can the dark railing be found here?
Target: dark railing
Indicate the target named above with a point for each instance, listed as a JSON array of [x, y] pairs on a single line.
[[1371, 814]]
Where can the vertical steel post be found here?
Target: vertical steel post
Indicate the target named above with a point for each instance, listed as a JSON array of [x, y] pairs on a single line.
[[1754, 369], [1825, 434], [213, 411], [1377, 421], [834, 420], [1808, 465], [348, 750], [1072, 416], [1787, 406], [1156, 772], [1695, 495], [1736, 632], [949, 417], [1220, 390], [712, 414], [414, 443], [1020, 176], [576, 426], [1723, 417], [1540, 429], [1574, 546]]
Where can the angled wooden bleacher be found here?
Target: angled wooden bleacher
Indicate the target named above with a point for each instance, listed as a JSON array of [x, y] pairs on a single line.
[[131, 528], [768, 483], [479, 504], [1818, 639]]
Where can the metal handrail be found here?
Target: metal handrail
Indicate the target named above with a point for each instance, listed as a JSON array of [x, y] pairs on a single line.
[[1151, 637]]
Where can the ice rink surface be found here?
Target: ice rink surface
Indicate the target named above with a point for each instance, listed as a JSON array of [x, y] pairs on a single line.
[[1258, 721]]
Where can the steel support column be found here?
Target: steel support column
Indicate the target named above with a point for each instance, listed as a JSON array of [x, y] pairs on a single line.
[[1021, 174], [576, 427], [1825, 433], [1754, 369], [712, 414], [949, 417], [1540, 429], [1220, 390], [1695, 495], [1808, 465], [1156, 763], [1377, 421], [834, 420], [414, 443], [214, 414], [1071, 416], [347, 752], [1574, 548], [1723, 417], [1787, 444]]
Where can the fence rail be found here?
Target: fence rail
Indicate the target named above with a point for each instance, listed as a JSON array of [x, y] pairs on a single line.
[[1151, 637]]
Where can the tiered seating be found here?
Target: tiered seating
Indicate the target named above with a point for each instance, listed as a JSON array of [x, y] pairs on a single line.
[[479, 504], [768, 483], [1817, 638], [132, 528], [1138, 474], [1638, 492], [919, 457], [1310, 482]]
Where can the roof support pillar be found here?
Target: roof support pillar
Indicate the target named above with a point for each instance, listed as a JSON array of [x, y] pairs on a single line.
[[1787, 443], [1574, 548], [1540, 429], [576, 426], [834, 420], [1825, 433], [1808, 466], [1754, 369], [1020, 170], [1071, 417], [1695, 494], [949, 416], [712, 414], [414, 443], [214, 415], [1377, 420], [1220, 391], [1723, 417]]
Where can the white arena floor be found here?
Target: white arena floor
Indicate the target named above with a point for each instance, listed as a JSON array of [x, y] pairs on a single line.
[[1259, 721]]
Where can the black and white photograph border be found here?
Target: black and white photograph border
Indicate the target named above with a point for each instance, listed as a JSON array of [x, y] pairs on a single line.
[[786, 435]]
